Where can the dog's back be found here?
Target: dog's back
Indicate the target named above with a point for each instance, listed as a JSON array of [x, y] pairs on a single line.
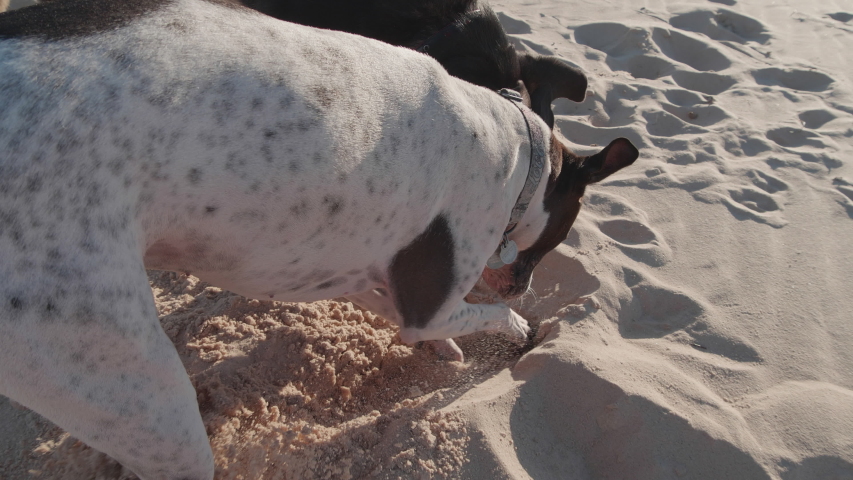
[[191, 99]]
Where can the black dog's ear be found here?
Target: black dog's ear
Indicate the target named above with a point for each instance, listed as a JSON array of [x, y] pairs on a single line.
[[525, 95], [540, 102], [548, 78], [619, 154]]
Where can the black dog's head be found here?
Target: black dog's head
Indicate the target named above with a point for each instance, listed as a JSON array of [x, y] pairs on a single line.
[[478, 50], [553, 211]]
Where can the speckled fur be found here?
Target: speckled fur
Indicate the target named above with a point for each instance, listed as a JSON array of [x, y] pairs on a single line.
[[270, 159]]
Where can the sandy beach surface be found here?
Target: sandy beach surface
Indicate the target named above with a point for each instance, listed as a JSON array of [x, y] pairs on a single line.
[[697, 322]]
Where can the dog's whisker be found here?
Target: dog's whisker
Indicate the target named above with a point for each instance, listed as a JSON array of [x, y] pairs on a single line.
[[532, 293], [519, 301]]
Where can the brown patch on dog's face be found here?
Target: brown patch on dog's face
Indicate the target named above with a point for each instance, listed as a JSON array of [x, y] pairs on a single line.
[[570, 174], [512, 280]]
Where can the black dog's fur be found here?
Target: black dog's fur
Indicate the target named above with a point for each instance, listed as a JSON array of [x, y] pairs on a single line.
[[398, 22], [477, 50]]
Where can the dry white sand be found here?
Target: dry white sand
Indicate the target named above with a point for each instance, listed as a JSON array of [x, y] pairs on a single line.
[[696, 323]]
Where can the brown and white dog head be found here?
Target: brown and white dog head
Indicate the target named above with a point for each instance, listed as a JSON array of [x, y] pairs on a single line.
[[556, 204]]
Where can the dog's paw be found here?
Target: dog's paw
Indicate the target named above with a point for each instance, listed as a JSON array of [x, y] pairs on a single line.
[[517, 328], [445, 349]]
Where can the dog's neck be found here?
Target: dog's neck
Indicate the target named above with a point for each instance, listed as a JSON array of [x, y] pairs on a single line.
[[508, 250], [538, 157]]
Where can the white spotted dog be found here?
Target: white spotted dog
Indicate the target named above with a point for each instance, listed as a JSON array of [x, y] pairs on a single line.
[[271, 159]]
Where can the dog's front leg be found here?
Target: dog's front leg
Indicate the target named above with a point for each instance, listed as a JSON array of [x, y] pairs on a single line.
[[469, 318], [378, 302], [92, 357]]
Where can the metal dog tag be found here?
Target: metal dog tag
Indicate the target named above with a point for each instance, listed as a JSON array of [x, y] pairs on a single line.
[[495, 261], [509, 252]]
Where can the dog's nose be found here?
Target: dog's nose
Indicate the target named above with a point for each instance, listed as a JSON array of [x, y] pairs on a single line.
[[521, 282]]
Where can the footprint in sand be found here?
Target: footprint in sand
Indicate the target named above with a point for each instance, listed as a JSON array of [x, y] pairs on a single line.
[[608, 37], [754, 199], [795, 138], [662, 123], [693, 109], [683, 97], [627, 232], [644, 66], [689, 50], [746, 203], [654, 53], [657, 310], [615, 107], [722, 25], [582, 133], [767, 182], [705, 82], [842, 17], [665, 176], [845, 188], [513, 26], [796, 79], [814, 119], [536, 47], [628, 49], [761, 202], [810, 148], [738, 144], [627, 228]]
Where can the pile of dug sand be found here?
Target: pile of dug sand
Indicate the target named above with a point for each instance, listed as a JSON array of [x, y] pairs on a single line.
[[290, 390]]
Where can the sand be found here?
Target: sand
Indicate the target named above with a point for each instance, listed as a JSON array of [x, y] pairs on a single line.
[[695, 324]]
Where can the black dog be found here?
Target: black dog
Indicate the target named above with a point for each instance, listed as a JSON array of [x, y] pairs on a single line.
[[465, 38]]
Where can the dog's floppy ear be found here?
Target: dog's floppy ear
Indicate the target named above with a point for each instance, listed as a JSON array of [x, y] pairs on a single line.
[[547, 78], [525, 95], [619, 154]]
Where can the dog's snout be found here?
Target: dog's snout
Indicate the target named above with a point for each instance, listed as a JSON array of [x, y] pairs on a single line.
[[520, 286]]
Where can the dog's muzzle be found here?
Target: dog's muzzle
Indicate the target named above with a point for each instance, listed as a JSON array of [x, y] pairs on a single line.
[[510, 281]]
